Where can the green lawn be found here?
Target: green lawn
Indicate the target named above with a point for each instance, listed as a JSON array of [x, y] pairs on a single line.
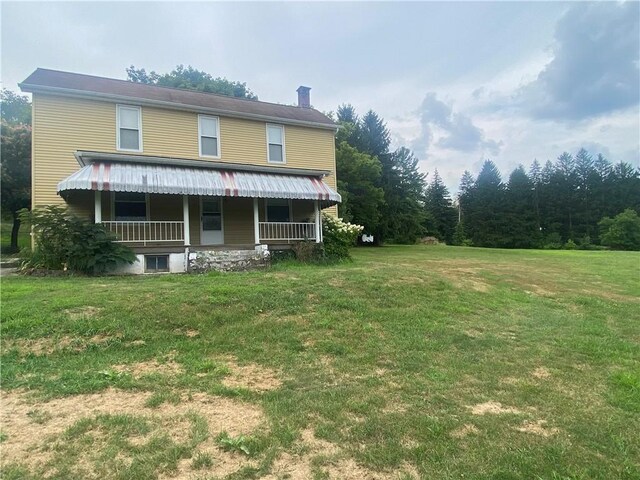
[[5, 237], [409, 362]]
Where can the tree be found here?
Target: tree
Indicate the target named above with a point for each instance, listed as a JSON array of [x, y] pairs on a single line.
[[622, 232], [15, 173], [521, 226], [358, 176], [15, 108], [403, 184], [191, 79], [484, 218], [442, 215]]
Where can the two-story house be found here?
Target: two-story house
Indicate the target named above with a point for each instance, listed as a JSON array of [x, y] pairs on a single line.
[[179, 174]]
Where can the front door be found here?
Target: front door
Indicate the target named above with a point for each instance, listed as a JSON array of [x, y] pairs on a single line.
[[211, 222]]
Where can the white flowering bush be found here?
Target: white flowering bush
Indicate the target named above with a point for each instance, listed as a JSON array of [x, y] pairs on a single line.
[[338, 236]]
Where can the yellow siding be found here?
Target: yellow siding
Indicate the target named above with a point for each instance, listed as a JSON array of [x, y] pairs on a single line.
[[63, 125], [238, 221]]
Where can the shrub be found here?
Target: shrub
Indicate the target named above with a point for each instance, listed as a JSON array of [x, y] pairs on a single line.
[[553, 241], [622, 232], [338, 236], [308, 251], [64, 241], [570, 245]]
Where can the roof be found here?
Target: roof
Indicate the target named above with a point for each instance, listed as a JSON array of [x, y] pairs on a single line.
[[165, 179], [44, 80], [86, 157]]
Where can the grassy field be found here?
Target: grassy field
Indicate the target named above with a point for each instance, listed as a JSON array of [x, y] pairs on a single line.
[[409, 362]]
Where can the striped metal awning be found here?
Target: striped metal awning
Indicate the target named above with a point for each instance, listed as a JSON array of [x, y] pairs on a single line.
[[150, 178]]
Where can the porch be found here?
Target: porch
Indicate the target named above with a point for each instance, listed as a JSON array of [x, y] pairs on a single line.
[[155, 220], [166, 204]]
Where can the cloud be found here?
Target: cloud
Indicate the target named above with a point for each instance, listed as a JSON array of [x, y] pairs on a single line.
[[455, 130], [595, 65]]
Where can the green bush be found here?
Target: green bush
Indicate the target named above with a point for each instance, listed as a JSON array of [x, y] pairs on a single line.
[[553, 241], [338, 237], [308, 251], [570, 245], [621, 232], [64, 241]]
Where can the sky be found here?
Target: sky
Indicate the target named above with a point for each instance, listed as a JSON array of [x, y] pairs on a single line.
[[456, 82]]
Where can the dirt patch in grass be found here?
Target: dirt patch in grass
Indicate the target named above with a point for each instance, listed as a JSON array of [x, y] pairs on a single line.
[[223, 464], [464, 278], [49, 345], [82, 312], [464, 431], [150, 367], [26, 441], [189, 332], [311, 455], [250, 376], [541, 373], [539, 427], [492, 408]]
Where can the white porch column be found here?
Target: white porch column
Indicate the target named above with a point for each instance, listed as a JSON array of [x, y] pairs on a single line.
[[316, 210], [185, 218], [256, 222], [98, 206]]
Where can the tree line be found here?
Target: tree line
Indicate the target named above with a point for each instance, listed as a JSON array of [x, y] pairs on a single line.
[[559, 204]]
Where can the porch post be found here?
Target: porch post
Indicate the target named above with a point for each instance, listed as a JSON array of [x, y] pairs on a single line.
[[256, 222], [185, 218], [316, 210], [98, 206]]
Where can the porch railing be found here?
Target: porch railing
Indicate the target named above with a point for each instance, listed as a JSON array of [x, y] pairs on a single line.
[[287, 231], [147, 232]]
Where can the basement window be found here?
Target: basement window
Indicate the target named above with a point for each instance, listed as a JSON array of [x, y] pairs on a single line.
[[156, 263]]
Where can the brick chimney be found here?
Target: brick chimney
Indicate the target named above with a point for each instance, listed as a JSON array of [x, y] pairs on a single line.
[[304, 99]]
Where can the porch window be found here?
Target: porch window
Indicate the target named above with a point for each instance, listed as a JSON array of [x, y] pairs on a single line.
[[275, 141], [129, 206], [129, 130], [278, 210], [209, 131]]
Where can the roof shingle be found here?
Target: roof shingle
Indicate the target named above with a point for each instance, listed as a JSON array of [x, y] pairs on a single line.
[[43, 79]]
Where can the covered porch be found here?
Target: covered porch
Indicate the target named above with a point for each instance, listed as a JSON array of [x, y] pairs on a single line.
[[154, 203]]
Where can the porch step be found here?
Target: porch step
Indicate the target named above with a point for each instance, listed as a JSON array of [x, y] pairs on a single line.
[[227, 260]]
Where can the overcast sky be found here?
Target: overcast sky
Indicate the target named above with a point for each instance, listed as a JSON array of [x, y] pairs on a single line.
[[455, 82]]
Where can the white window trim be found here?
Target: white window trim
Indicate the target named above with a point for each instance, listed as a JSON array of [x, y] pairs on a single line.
[[113, 207], [217, 137], [284, 153], [118, 107], [266, 205]]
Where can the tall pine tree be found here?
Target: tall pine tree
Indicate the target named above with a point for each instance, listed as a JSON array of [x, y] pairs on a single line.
[[442, 216]]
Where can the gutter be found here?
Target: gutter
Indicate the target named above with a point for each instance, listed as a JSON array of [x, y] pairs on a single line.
[[85, 158], [69, 92]]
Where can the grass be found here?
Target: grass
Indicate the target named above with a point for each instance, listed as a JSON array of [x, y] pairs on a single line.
[[24, 238], [429, 362]]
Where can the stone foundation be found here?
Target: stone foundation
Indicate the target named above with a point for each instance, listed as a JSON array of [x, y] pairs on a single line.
[[228, 260]]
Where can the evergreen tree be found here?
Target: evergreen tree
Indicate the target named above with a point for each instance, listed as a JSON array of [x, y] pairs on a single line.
[[442, 215], [358, 176], [521, 225], [485, 213]]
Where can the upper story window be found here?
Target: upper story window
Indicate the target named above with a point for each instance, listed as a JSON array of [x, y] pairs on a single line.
[[209, 136], [275, 144], [129, 128]]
